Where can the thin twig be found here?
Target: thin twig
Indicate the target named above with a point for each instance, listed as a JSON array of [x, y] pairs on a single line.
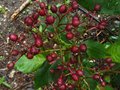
[[86, 12], [14, 15]]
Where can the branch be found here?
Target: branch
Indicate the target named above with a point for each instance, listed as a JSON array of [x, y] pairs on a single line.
[[86, 12], [16, 12]]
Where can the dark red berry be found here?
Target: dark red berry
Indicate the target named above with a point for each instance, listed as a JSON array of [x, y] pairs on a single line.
[[38, 42], [74, 5], [75, 77], [75, 49], [13, 37], [29, 55], [68, 27], [62, 9], [35, 16], [10, 65], [69, 35], [96, 77], [42, 12], [108, 60], [111, 65], [60, 81], [83, 48], [75, 18], [49, 58], [75, 23], [54, 55], [79, 72], [14, 52], [62, 87], [34, 50], [53, 8], [42, 5], [29, 21], [97, 7], [103, 84], [50, 20]]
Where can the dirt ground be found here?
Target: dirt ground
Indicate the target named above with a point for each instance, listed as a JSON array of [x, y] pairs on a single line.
[[17, 80]]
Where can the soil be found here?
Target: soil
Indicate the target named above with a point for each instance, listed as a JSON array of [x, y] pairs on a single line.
[[17, 80]]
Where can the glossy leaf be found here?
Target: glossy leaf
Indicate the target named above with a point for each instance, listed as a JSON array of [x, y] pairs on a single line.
[[95, 49], [26, 65], [114, 52], [43, 76]]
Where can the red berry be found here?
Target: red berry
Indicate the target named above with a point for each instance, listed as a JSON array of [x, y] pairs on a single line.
[[96, 76], [49, 58], [34, 50], [75, 23], [53, 8], [75, 49], [29, 55], [75, 77], [62, 87], [75, 18], [15, 52], [38, 42], [60, 81], [79, 72], [29, 21], [62, 9], [69, 35], [13, 37], [50, 20], [108, 60], [74, 5], [68, 27], [103, 83], [42, 12], [42, 5], [35, 16], [97, 7], [111, 65], [10, 65], [83, 48], [54, 55]]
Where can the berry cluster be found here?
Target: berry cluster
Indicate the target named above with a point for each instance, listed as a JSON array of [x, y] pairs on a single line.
[[31, 50], [50, 43]]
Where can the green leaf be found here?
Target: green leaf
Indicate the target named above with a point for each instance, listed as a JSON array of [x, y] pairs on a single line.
[[2, 10], [2, 79], [6, 84], [107, 79], [43, 76], [92, 83], [108, 6], [26, 65], [108, 88], [114, 52], [95, 49]]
